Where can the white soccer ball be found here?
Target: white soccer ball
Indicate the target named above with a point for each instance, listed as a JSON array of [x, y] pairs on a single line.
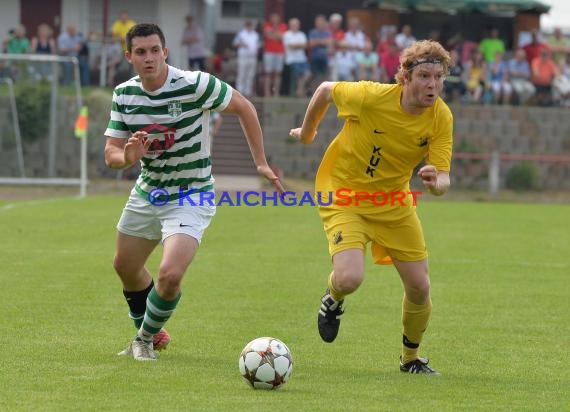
[[266, 363]]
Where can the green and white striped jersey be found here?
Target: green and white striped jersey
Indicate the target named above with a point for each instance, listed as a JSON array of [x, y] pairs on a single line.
[[177, 120]]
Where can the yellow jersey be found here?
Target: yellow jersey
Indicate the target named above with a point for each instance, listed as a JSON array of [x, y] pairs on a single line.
[[368, 166], [120, 29]]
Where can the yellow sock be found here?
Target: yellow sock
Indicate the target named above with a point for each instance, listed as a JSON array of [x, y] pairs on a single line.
[[415, 319], [336, 295]]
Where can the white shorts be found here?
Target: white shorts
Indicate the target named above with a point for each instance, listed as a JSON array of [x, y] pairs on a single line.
[[141, 218]]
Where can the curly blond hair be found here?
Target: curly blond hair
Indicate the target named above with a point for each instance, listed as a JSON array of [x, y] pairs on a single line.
[[427, 51]]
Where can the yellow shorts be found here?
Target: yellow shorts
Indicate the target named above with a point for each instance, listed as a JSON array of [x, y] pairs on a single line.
[[402, 239]]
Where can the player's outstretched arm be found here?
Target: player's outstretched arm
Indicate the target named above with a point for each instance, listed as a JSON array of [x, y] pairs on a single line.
[[437, 182], [249, 122], [316, 110], [119, 155]]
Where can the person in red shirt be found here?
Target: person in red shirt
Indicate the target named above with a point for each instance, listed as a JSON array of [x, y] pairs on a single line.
[[273, 54], [389, 63], [337, 33], [533, 48]]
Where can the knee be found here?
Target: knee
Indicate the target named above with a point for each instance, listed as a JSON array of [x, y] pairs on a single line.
[[170, 277], [419, 290], [123, 266], [348, 279]]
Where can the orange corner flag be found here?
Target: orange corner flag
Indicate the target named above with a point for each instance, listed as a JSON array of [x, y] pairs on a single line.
[[81, 123]]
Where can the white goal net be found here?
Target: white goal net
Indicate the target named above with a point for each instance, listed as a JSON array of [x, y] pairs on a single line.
[[38, 145]]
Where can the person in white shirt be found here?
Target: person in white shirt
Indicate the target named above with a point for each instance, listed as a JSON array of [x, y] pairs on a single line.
[[295, 42], [405, 38], [353, 43], [247, 43]]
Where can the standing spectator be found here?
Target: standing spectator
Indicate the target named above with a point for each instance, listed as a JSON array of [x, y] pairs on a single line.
[[17, 43], [69, 43], [43, 43], [533, 48], [544, 70], [389, 63], [273, 54], [320, 43], [247, 43], [337, 33], [405, 38], [559, 45], [499, 76], [354, 42], [519, 75], [193, 39], [367, 63], [121, 27], [492, 44], [295, 42]]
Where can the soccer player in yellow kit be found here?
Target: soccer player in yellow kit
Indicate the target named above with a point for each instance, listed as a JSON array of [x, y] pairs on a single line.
[[363, 184]]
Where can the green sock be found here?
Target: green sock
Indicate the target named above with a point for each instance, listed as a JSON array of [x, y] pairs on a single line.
[[158, 311]]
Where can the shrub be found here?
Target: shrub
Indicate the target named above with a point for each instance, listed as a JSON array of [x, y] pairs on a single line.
[[522, 176], [33, 102]]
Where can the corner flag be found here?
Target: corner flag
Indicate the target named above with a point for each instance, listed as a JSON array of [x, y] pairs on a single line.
[[81, 123]]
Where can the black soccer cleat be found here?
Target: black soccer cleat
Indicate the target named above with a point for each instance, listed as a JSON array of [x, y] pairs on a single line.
[[328, 319], [418, 366]]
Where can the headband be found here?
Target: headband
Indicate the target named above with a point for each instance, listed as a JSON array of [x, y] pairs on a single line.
[[423, 61]]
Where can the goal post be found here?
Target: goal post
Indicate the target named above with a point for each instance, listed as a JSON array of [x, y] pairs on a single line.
[[24, 67]]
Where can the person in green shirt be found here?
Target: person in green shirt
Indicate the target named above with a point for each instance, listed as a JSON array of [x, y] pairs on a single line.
[[492, 44]]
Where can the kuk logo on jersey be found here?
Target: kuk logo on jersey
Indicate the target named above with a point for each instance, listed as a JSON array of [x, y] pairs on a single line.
[[174, 108]]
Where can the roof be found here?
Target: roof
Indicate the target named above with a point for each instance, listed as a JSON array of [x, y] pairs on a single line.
[[467, 6]]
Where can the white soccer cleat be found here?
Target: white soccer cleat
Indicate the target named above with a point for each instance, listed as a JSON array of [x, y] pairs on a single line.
[[140, 350]]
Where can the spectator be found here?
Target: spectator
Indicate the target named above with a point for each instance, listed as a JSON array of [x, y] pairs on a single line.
[[337, 33], [273, 54], [453, 86], [405, 38], [367, 63], [544, 70], [463, 47], [476, 77], [389, 63], [43, 43], [492, 44], [228, 66], [384, 43], [295, 42], [519, 75], [69, 43], [533, 48], [354, 42], [17, 43], [499, 78], [247, 43], [320, 43], [120, 28], [564, 82], [559, 46], [193, 39]]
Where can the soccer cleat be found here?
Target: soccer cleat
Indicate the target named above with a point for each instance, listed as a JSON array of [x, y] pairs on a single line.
[[161, 340], [417, 366], [143, 351], [329, 317]]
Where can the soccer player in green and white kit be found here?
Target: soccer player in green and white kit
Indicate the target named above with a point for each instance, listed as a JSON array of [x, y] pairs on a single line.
[[161, 118]]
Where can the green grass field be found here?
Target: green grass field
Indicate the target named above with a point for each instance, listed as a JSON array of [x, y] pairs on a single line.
[[499, 332]]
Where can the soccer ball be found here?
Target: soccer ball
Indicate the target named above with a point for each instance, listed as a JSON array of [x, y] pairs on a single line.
[[266, 363]]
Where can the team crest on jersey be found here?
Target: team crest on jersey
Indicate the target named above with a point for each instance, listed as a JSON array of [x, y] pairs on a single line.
[[174, 108]]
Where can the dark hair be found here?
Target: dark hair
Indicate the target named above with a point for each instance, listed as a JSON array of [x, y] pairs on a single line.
[[144, 30]]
